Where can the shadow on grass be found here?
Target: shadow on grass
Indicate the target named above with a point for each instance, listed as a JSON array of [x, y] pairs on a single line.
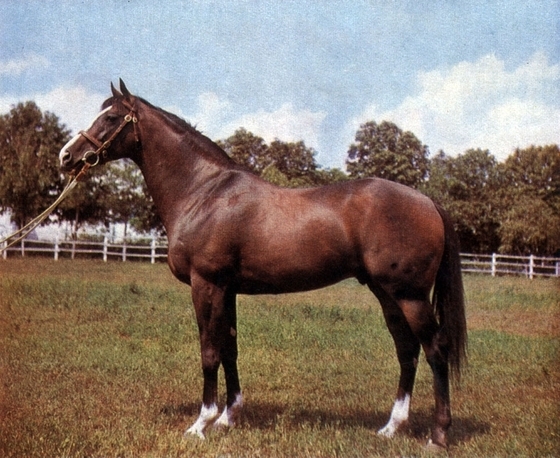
[[266, 416], [462, 430]]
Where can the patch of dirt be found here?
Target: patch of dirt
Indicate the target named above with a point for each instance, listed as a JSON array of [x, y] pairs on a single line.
[[523, 323]]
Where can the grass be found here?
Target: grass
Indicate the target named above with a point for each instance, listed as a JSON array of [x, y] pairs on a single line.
[[102, 359]]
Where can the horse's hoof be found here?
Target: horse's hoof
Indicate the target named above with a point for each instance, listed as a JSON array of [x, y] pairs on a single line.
[[431, 446], [194, 432], [220, 425]]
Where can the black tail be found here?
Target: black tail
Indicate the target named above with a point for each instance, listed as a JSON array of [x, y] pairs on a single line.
[[448, 298]]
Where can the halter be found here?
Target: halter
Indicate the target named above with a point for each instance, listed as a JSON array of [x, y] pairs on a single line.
[[90, 157]]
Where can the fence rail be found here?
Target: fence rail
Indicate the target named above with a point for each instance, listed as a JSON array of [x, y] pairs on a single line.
[[499, 264], [153, 251], [156, 250]]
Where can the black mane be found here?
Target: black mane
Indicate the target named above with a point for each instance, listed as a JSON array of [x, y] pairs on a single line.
[[181, 126]]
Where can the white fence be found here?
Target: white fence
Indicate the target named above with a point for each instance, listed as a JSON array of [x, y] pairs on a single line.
[[156, 250], [499, 264], [153, 250]]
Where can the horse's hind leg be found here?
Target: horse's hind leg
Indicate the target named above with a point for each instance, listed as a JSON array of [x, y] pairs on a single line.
[[408, 349], [420, 317], [234, 401]]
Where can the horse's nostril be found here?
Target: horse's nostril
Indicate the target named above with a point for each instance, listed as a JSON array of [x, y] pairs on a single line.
[[65, 157]]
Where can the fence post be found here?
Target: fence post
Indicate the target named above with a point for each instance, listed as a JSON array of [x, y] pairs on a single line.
[[5, 252], [23, 248], [56, 249], [124, 250], [531, 266], [153, 253], [493, 264], [105, 248]]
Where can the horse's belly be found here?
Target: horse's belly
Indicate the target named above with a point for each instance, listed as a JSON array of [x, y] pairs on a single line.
[[295, 273]]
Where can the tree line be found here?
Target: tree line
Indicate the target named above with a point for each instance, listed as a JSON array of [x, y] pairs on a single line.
[[511, 207]]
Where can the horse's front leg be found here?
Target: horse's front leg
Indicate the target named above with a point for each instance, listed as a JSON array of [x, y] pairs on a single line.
[[213, 323]]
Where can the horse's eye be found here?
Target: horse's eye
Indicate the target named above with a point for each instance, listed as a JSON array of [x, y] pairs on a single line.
[[112, 117]]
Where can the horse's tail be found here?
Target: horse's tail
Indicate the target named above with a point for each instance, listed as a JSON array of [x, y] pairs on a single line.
[[448, 298]]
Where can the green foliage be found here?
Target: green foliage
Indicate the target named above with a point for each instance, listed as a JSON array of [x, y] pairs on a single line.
[[247, 149], [385, 151], [128, 202], [531, 221], [29, 144], [114, 193], [294, 160], [468, 186], [85, 205], [287, 164]]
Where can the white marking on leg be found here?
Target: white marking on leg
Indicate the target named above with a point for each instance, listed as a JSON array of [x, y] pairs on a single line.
[[230, 415], [205, 419], [399, 415]]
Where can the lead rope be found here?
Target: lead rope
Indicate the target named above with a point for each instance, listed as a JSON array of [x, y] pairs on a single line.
[[28, 228]]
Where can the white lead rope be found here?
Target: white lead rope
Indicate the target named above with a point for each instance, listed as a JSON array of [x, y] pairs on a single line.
[[28, 228]]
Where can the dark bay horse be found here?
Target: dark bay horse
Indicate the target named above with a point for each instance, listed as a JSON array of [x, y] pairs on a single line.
[[230, 232]]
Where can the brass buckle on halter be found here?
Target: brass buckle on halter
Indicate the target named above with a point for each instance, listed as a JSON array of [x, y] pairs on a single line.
[[89, 154]]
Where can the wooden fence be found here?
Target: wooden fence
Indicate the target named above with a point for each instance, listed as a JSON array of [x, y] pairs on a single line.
[[156, 250]]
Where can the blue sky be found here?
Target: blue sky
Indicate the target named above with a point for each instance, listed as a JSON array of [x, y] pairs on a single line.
[[458, 74]]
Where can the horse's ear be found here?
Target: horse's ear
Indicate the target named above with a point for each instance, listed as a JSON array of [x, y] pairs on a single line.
[[124, 89], [115, 92]]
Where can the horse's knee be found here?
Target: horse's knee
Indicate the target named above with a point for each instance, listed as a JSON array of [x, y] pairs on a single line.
[[210, 360], [420, 317]]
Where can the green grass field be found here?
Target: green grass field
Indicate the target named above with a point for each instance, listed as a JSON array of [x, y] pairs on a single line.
[[102, 359]]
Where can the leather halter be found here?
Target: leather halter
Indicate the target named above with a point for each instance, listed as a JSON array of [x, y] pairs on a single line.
[[91, 157]]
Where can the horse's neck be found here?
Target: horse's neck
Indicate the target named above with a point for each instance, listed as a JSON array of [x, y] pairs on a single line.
[[175, 165]]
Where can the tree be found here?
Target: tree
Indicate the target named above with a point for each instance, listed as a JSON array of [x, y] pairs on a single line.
[[130, 203], [385, 151], [531, 221], [29, 144], [247, 149], [87, 202], [295, 161], [535, 171], [529, 226], [329, 176], [288, 164], [468, 186], [115, 193]]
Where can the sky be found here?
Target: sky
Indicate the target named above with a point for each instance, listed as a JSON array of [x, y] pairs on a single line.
[[458, 74]]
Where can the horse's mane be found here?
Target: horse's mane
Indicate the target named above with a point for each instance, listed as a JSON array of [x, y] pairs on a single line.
[[180, 126]]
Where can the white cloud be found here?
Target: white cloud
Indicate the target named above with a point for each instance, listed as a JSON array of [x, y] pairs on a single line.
[[216, 118], [75, 106], [286, 124], [480, 105], [16, 67]]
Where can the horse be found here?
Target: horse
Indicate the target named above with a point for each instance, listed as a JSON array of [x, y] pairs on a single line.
[[230, 232]]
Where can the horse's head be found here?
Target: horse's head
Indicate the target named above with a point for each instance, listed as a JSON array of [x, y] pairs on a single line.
[[112, 134]]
